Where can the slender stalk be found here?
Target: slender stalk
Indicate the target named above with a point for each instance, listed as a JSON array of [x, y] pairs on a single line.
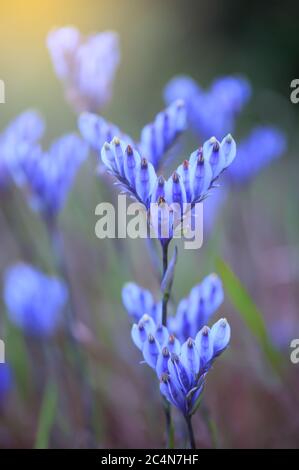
[[166, 294], [167, 407], [190, 432]]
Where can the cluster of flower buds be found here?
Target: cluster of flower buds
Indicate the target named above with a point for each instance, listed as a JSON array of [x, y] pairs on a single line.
[[168, 201], [196, 310], [27, 128], [48, 176], [85, 65], [211, 112], [180, 367], [34, 300], [192, 312], [138, 301], [156, 138]]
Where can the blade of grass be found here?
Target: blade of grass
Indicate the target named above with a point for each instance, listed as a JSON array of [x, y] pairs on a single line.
[[251, 315], [46, 416]]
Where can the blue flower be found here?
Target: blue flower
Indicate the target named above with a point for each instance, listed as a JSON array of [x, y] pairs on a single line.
[[85, 65], [196, 310], [138, 301], [34, 300], [167, 202], [155, 140], [189, 183], [27, 128], [48, 176], [180, 366], [211, 112], [192, 312], [6, 381], [263, 145]]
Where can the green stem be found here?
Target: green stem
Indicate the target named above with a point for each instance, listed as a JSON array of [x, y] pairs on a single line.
[[166, 294], [190, 432], [167, 407]]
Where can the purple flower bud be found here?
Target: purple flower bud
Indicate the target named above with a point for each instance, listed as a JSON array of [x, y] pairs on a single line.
[[175, 190], [161, 334], [173, 393], [190, 359], [162, 362], [200, 176], [220, 334], [159, 190], [178, 372], [96, 131], [151, 350], [184, 171], [229, 149], [158, 136], [204, 345], [146, 179], [173, 345], [213, 153], [132, 163]]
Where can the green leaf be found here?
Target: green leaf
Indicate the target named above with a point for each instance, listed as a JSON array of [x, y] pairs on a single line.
[[46, 416], [17, 356], [250, 313]]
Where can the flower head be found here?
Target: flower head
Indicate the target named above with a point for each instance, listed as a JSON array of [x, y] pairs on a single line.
[[138, 301], [168, 201], [196, 310], [263, 145], [34, 300], [48, 176], [210, 112], [155, 140], [180, 366], [85, 65], [193, 312], [27, 128]]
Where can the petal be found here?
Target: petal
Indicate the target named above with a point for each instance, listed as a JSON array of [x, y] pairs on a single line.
[[179, 373], [190, 359], [151, 350], [204, 345], [220, 334], [162, 362]]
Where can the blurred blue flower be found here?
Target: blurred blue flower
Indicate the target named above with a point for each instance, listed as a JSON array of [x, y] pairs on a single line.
[[49, 175], [263, 145], [6, 381], [211, 112], [156, 138], [28, 128], [196, 310], [34, 300], [138, 301], [85, 65], [180, 366]]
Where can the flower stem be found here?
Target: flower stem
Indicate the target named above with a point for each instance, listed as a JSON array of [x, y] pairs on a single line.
[[166, 294], [190, 432], [167, 407]]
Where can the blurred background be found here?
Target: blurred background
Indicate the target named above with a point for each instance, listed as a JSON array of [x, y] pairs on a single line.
[[255, 232]]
